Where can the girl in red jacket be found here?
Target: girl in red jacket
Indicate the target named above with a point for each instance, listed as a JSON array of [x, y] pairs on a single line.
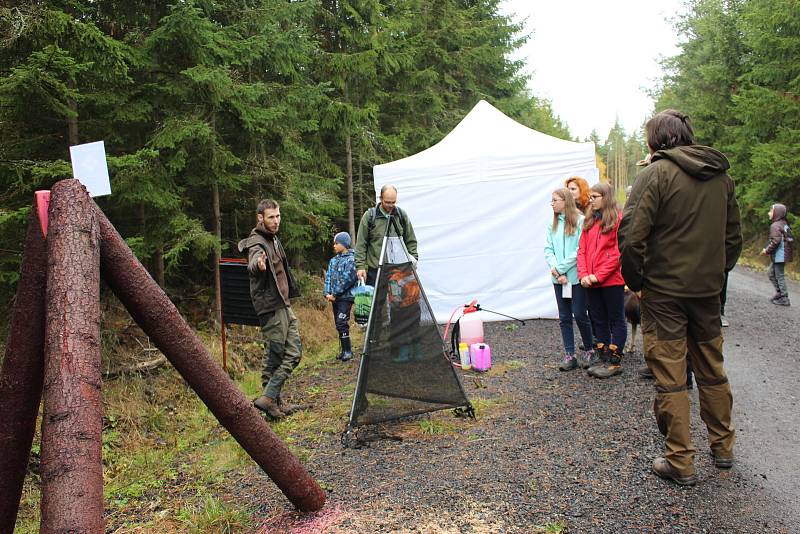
[[599, 272]]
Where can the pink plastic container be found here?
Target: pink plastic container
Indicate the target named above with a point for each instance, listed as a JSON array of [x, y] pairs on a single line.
[[481, 356]]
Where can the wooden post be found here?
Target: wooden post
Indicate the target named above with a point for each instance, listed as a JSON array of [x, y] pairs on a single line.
[[160, 320], [22, 372], [72, 469]]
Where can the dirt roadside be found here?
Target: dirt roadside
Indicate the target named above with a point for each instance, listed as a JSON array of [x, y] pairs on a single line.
[[562, 450]]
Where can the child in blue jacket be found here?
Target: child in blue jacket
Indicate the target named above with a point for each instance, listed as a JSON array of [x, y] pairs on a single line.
[[340, 280]]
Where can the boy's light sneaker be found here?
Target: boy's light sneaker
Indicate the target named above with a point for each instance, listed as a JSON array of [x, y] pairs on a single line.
[[569, 363], [723, 321]]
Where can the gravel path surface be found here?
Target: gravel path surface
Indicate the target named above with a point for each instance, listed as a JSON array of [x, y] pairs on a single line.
[[552, 449]]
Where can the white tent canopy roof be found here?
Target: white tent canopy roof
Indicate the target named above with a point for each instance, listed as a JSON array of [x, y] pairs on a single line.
[[479, 201]]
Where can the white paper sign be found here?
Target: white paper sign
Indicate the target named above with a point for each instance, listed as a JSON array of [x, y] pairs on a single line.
[[90, 167], [566, 290]]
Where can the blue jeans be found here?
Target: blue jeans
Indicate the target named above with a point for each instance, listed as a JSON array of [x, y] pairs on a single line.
[[569, 308], [607, 307]]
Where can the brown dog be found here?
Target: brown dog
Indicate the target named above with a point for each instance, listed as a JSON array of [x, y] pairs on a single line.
[[633, 316]]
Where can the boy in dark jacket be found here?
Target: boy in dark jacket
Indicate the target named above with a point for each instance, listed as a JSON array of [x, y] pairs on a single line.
[[340, 280], [780, 249]]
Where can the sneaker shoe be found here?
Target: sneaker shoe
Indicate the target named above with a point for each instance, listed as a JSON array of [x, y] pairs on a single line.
[[783, 301], [569, 363], [664, 469], [269, 406], [645, 372], [585, 358], [722, 463], [723, 321]]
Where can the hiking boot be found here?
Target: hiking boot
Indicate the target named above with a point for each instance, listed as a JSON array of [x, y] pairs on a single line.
[[664, 469], [722, 463], [585, 358], [645, 372], [599, 355], [611, 367], [723, 321], [782, 301], [569, 363], [288, 408], [269, 406]]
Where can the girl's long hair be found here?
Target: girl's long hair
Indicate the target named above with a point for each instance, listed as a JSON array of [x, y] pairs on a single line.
[[609, 213], [583, 187], [571, 212]]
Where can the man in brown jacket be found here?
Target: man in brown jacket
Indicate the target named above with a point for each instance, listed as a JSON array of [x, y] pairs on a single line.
[[271, 287], [680, 233]]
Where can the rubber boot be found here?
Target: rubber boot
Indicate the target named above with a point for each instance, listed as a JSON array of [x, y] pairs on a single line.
[[347, 348], [612, 366]]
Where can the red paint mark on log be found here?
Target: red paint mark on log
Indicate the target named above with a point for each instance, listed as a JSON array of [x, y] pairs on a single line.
[[22, 372], [42, 203], [72, 470], [157, 316]]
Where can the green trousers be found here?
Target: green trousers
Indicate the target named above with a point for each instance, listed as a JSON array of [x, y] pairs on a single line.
[[674, 329], [282, 349]]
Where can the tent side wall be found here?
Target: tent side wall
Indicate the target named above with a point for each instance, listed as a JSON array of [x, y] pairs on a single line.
[[480, 224]]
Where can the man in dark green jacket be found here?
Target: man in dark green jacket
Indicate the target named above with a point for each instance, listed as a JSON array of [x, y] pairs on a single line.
[[372, 228], [271, 287], [679, 234]]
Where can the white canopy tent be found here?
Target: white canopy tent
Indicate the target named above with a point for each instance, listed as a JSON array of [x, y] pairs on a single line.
[[479, 201]]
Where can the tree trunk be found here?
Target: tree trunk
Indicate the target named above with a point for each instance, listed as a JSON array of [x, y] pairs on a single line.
[[158, 265], [157, 316], [72, 469], [351, 221], [72, 122], [22, 373], [216, 228]]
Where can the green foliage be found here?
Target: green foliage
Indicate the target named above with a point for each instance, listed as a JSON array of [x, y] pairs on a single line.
[[738, 77], [243, 100]]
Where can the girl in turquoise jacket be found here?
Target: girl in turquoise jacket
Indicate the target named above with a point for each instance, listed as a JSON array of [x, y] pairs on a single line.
[[561, 253]]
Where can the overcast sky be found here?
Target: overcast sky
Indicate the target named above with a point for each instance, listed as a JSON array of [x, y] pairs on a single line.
[[593, 59]]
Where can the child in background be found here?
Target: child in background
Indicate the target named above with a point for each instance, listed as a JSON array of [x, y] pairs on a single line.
[[560, 252], [780, 248], [340, 280], [599, 272]]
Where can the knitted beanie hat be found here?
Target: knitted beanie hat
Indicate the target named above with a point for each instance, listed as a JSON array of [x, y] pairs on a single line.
[[343, 238]]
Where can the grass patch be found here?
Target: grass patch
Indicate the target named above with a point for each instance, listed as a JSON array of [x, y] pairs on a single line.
[[552, 528], [502, 368], [167, 461], [210, 514]]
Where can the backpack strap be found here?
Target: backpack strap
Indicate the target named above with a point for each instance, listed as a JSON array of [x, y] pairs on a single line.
[[373, 214]]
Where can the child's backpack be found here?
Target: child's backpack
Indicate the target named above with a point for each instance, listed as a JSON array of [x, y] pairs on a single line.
[[788, 243], [362, 297]]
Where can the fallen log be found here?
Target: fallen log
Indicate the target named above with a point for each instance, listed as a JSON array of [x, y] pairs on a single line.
[[22, 372], [158, 317]]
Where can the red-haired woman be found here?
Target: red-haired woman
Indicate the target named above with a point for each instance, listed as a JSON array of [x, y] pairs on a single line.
[[599, 272], [580, 191]]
